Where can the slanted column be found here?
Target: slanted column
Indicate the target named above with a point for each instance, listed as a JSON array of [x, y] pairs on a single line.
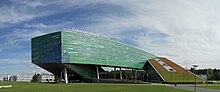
[[135, 76], [114, 72], [97, 71], [65, 76], [121, 74], [61, 76]]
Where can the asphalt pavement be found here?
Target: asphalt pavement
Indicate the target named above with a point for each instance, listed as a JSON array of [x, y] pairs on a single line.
[[191, 88]]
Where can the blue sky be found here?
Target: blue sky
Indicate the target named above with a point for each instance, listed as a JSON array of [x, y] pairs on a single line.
[[185, 31]]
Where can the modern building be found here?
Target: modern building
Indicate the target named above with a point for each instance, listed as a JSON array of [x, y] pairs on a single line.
[[79, 55], [47, 77], [24, 77], [28, 78]]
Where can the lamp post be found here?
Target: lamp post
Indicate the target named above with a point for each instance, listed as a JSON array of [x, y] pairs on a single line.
[[195, 66], [187, 74]]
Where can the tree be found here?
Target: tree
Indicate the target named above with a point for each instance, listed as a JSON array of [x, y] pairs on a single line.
[[209, 74], [216, 74], [36, 78], [57, 79]]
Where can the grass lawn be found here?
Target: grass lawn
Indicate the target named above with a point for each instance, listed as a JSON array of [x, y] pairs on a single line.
[[210, 87], [44, 87]]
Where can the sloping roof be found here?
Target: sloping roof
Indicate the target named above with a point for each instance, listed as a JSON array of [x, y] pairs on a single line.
[[81, 48], [174, 73], [87, 49]]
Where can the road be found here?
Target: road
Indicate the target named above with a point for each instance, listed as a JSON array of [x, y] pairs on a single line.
[[191, 88]]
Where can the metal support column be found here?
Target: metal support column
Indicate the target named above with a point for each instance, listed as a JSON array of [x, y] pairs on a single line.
[[114, 72], [147, 77], [195, 81], [65, 76], [132, 72], [135, 76], [121, 74], [97, 71], [61, 76]]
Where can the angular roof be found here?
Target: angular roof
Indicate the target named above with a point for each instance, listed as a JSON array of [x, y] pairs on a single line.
[[89, 49], [83, 48]]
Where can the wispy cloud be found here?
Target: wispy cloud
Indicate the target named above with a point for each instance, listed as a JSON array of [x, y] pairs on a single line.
[[14, 14], [18, 66], [191, 28], [37, 25], [14, 61], [18, 36], [34, 3], [16, 11]]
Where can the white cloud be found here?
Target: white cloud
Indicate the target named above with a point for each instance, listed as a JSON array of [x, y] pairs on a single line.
[[13, 14], [192, 30], [19, 66], [191, 26], [14, 61], [34, 3], [18, 36], [21, 11], [37, 25]]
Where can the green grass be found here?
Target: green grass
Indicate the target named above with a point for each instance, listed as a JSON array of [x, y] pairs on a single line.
[[211, 87], [44, 87]]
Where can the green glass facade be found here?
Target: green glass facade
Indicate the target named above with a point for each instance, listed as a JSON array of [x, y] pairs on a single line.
[[87, 49], [79, 48], [46, 48]]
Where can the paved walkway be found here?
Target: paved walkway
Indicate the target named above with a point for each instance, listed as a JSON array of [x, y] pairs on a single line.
[[197, 89], [8, 86]]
